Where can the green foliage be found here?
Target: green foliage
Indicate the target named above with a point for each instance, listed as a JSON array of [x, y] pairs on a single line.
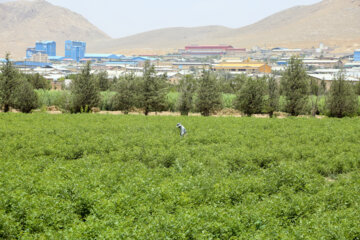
[[130, 177], [228, 100], [172, 99], [127, 95], [50, 97], [8, 82], [295, 86], [38, 81], [208, 94], [85, 94], [342, 100], [24, 98], [106, 101], [251, 98], [357, 88], [153, 91], [272, 102], [187, 91], [102, 81], [231, 84]]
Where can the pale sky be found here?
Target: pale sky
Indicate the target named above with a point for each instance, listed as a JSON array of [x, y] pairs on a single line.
[[119, 18]]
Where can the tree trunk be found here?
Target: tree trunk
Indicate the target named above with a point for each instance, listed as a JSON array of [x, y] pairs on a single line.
[[271, 114], [206, 113], [6, 107], [315, 108]]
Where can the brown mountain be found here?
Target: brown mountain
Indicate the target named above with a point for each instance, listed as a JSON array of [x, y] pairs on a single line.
[[333, 22], [22, 23]]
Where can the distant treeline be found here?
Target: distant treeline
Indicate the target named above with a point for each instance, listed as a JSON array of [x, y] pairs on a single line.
[[294, 93]]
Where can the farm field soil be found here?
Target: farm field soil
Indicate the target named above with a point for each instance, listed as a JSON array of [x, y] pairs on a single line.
[[93, 176]]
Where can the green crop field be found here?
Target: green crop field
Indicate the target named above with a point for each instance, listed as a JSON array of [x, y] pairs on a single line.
[[92, 176]]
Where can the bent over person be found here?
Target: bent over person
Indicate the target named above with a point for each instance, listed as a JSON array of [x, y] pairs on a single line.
[[182, 130]]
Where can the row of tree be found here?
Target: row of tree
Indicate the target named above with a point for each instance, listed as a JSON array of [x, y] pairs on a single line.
[[297, 89], [202, 94], [17, 90]]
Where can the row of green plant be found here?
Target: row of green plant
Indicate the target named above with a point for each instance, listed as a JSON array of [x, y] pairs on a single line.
[[89, 176], [294, 93]]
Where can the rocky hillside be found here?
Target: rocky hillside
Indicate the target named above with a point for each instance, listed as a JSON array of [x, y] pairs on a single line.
[[24, 22], [333, 22]]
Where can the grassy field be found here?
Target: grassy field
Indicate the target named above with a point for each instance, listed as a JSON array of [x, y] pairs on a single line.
[[132, 177]]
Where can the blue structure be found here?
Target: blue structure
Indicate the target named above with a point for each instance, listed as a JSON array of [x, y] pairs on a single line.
[[31, 64], [282, 63], [30, 51], [102, 57], [46, 47], [56, 58], [357, 55], [75, 50]]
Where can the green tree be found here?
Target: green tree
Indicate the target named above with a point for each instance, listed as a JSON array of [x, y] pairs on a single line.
[[187, 91], [38, 81], [342, 100], [250, 99], [208, 94], [153, 90], [272, 103], [8, 82], [315, 90], [24, 98], [85, 94], [295, 86], [126, 97], [231, 84], [357, 88], [102, 81]]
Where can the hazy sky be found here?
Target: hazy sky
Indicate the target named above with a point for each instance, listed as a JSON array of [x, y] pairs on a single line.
[[120, 18]]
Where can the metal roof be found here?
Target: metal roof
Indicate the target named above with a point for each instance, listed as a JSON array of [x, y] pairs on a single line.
[[332, 77], [58, 58], [101, 55], [239, 64], [45, 42]]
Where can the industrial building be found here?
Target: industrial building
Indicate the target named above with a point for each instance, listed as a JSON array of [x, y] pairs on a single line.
[[357, 55], [248, 67], [75, 50], [96, 57], [329, 78], [315, 63], [208, 51], [44, 47], [39, 57]]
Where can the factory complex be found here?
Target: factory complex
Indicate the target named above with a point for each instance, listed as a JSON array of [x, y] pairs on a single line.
[[321, 63]]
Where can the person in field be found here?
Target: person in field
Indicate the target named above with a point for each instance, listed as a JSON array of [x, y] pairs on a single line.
[[182, 129]]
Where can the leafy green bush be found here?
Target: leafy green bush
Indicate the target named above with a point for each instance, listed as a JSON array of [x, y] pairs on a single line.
[[131, 177], [106, 100], [24, 98]]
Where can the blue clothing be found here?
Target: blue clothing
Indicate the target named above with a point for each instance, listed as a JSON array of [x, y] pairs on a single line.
[[182, 129]]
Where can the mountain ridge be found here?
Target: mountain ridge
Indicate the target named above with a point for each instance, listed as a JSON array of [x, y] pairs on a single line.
[[333, 22], [22, 23]]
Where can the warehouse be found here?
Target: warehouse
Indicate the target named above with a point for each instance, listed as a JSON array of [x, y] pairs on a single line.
[[247, 66]]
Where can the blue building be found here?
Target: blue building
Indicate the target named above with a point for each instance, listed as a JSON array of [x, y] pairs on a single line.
[[96, 57], [357, 55], [75, 50], [30, 51], [46, 47], [26, 64]]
